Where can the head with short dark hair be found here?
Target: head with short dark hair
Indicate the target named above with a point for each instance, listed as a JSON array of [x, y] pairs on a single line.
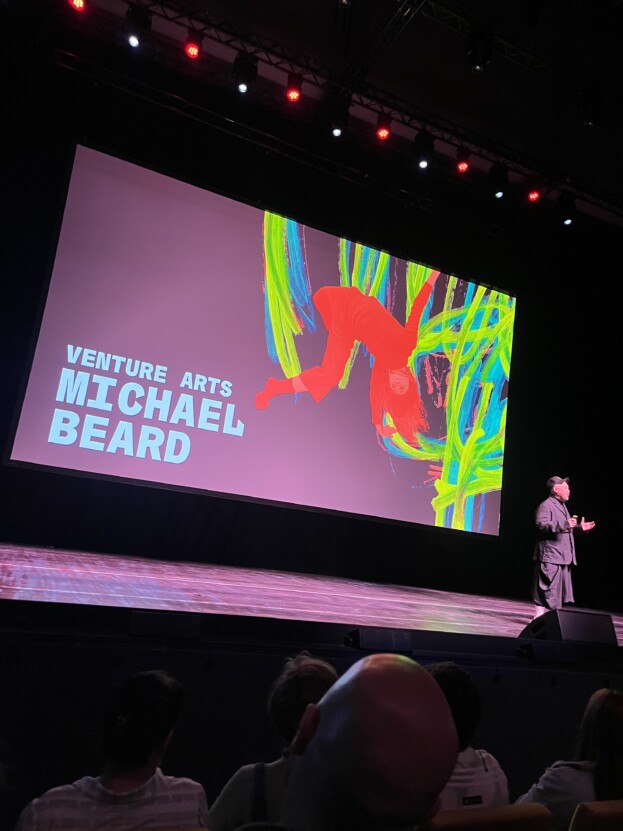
[[462, 695], [303, 680], [600, 740], [556, 480], [140, 717]]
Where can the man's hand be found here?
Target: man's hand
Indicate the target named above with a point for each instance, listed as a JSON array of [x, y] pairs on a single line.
[[586, 525]]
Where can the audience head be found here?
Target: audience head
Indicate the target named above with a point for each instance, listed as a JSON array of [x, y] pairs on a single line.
[[303, 680], [600, 740], [140, 717], [376, 751], [462, 695]]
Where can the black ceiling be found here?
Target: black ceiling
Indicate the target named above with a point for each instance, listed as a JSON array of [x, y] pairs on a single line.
[[553, 64]]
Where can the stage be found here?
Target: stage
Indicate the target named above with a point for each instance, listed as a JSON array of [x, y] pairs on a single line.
[[77, 620], [221, 600]]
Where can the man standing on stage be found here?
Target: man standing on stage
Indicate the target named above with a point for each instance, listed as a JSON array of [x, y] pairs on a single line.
[[554, 552]]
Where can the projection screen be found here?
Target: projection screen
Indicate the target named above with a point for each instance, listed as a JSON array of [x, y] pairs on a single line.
[[195, 342]]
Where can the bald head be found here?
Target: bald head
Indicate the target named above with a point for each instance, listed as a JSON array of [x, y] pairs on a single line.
[[376, 751]]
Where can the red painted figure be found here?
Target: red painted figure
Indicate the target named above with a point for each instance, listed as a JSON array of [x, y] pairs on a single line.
[[350, 316]]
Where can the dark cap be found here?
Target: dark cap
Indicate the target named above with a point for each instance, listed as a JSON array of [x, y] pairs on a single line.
[[556, 480]]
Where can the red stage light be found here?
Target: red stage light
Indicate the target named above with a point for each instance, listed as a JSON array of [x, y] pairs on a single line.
[[383, 127], [78, 5], [462, 160], [293, 90], [192, 47], [534, 195]]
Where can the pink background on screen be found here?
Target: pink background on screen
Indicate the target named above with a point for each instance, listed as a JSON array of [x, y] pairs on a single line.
[[152, 268]]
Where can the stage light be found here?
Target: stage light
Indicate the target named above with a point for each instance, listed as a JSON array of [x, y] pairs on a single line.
[[293, 89], [498, 177], [480, 48], [423, 149], [192, 47], [338, 124], [533, 193], [244, 70], [78, 5], [338, 107], [566, 208], [383, 127], [137, 25], [462, 160]]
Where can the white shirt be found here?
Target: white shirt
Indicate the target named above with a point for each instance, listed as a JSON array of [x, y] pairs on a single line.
[[477, 780]]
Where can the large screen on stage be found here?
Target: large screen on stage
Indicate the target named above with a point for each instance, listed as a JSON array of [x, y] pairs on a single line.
[[195, 342]]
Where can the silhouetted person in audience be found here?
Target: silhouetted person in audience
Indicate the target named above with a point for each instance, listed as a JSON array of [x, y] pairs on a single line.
[[255, 792], [375, 752], [131, 792], [596, 770], [477, 779]]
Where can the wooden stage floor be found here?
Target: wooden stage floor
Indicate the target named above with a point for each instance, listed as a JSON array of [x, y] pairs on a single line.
[[47, 576]]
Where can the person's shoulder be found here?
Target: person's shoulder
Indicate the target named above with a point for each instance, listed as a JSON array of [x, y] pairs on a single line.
[[581, 766], [181, 782], [239, 785], [60, 792], [52, 803], [178, 783], [488, 758], [564, 771], [245, 773], [468, 757]]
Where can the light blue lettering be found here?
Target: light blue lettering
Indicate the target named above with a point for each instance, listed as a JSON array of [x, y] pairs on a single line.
[[72, 386], [184, 411], [180, 455], [150, 439], [73, 353], [228, 423], [122, 439], [152, 403], [124, 399], [63, 427], [103, 385], [91, 432], [200, 383], [207, 414]]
